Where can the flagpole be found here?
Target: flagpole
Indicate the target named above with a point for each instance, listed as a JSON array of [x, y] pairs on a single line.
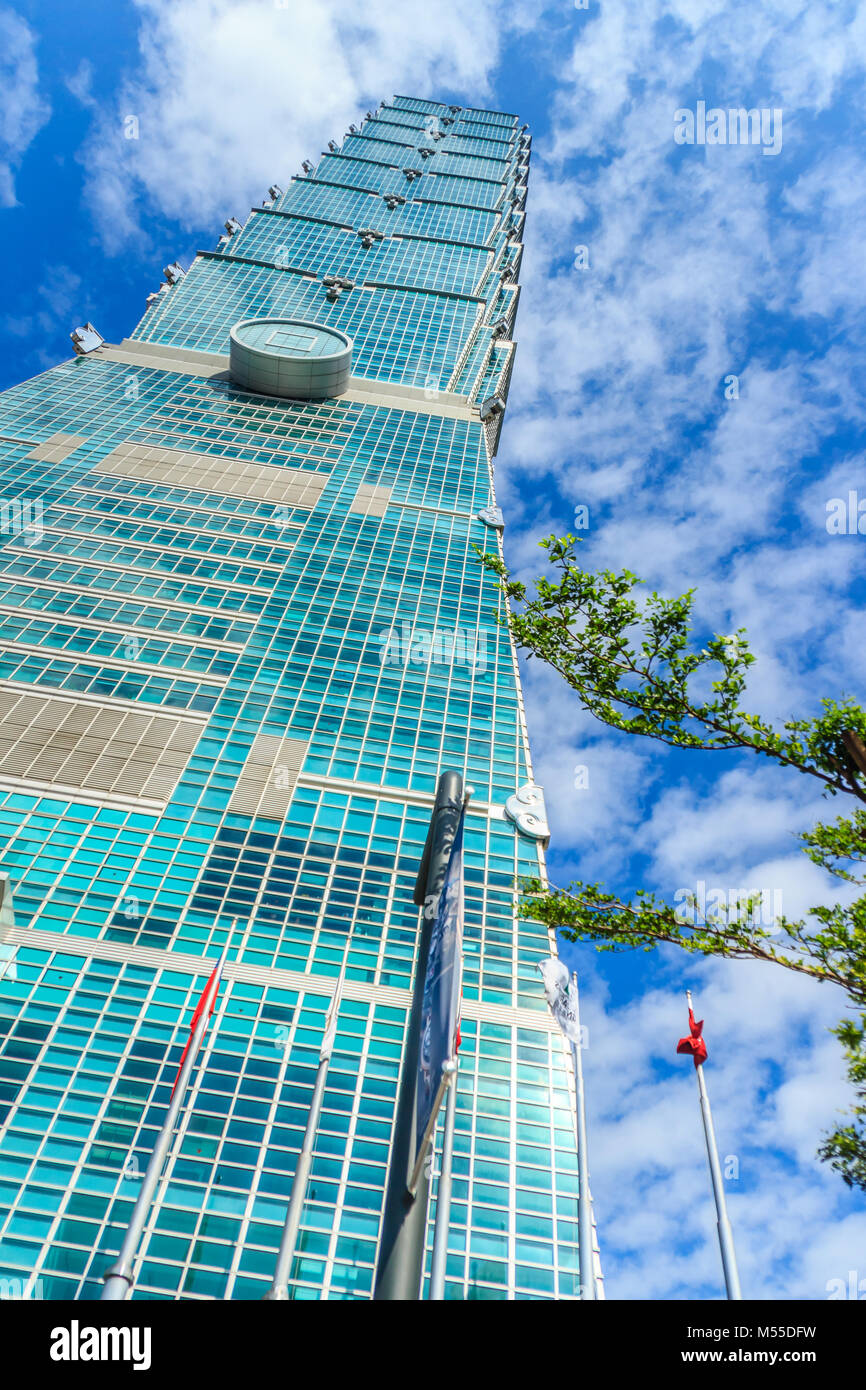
[[279, 1290], [118, 1278], [726, 1235], [443, 1195], [7, 925], [584, 1201]]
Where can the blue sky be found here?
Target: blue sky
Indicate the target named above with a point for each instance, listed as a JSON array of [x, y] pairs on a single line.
[[703, 262]]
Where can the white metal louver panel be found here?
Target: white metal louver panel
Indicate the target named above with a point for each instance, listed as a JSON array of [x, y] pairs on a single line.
[[211, 473], [371, 499], [77, 744], [267, 779]]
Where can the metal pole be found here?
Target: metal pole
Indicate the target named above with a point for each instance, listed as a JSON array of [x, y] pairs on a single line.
[[443, 1195], [404, 1220], [118, 1278], [584, 1201], [8, 969], [726, 1235], [279, 1292]]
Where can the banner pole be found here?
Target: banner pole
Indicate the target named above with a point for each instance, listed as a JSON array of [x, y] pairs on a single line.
[[723, 1225], [118, 1278], [443, 1195], [279, 1290]]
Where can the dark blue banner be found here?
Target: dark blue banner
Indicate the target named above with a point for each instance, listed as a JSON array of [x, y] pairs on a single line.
[[440, 1009]]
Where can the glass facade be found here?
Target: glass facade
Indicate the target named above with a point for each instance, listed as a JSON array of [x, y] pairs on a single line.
[[239, 639]]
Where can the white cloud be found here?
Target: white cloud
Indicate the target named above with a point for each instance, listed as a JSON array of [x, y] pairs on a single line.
[[57, 302], [24, 110], [619, 388], [747, 812], [80, 83], [230, 95]]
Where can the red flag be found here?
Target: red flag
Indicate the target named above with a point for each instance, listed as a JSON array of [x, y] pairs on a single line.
[[694, 1043], [199, 1009]]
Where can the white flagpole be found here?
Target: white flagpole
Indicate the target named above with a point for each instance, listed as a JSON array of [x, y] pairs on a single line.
[[443, 1195], [726, 1235], [443, 1191], [8, 969], [584, 1201], [279, 1290], [119, 1278]]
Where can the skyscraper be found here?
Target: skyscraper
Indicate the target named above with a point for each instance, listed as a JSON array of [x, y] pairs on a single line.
[[243, 629]]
